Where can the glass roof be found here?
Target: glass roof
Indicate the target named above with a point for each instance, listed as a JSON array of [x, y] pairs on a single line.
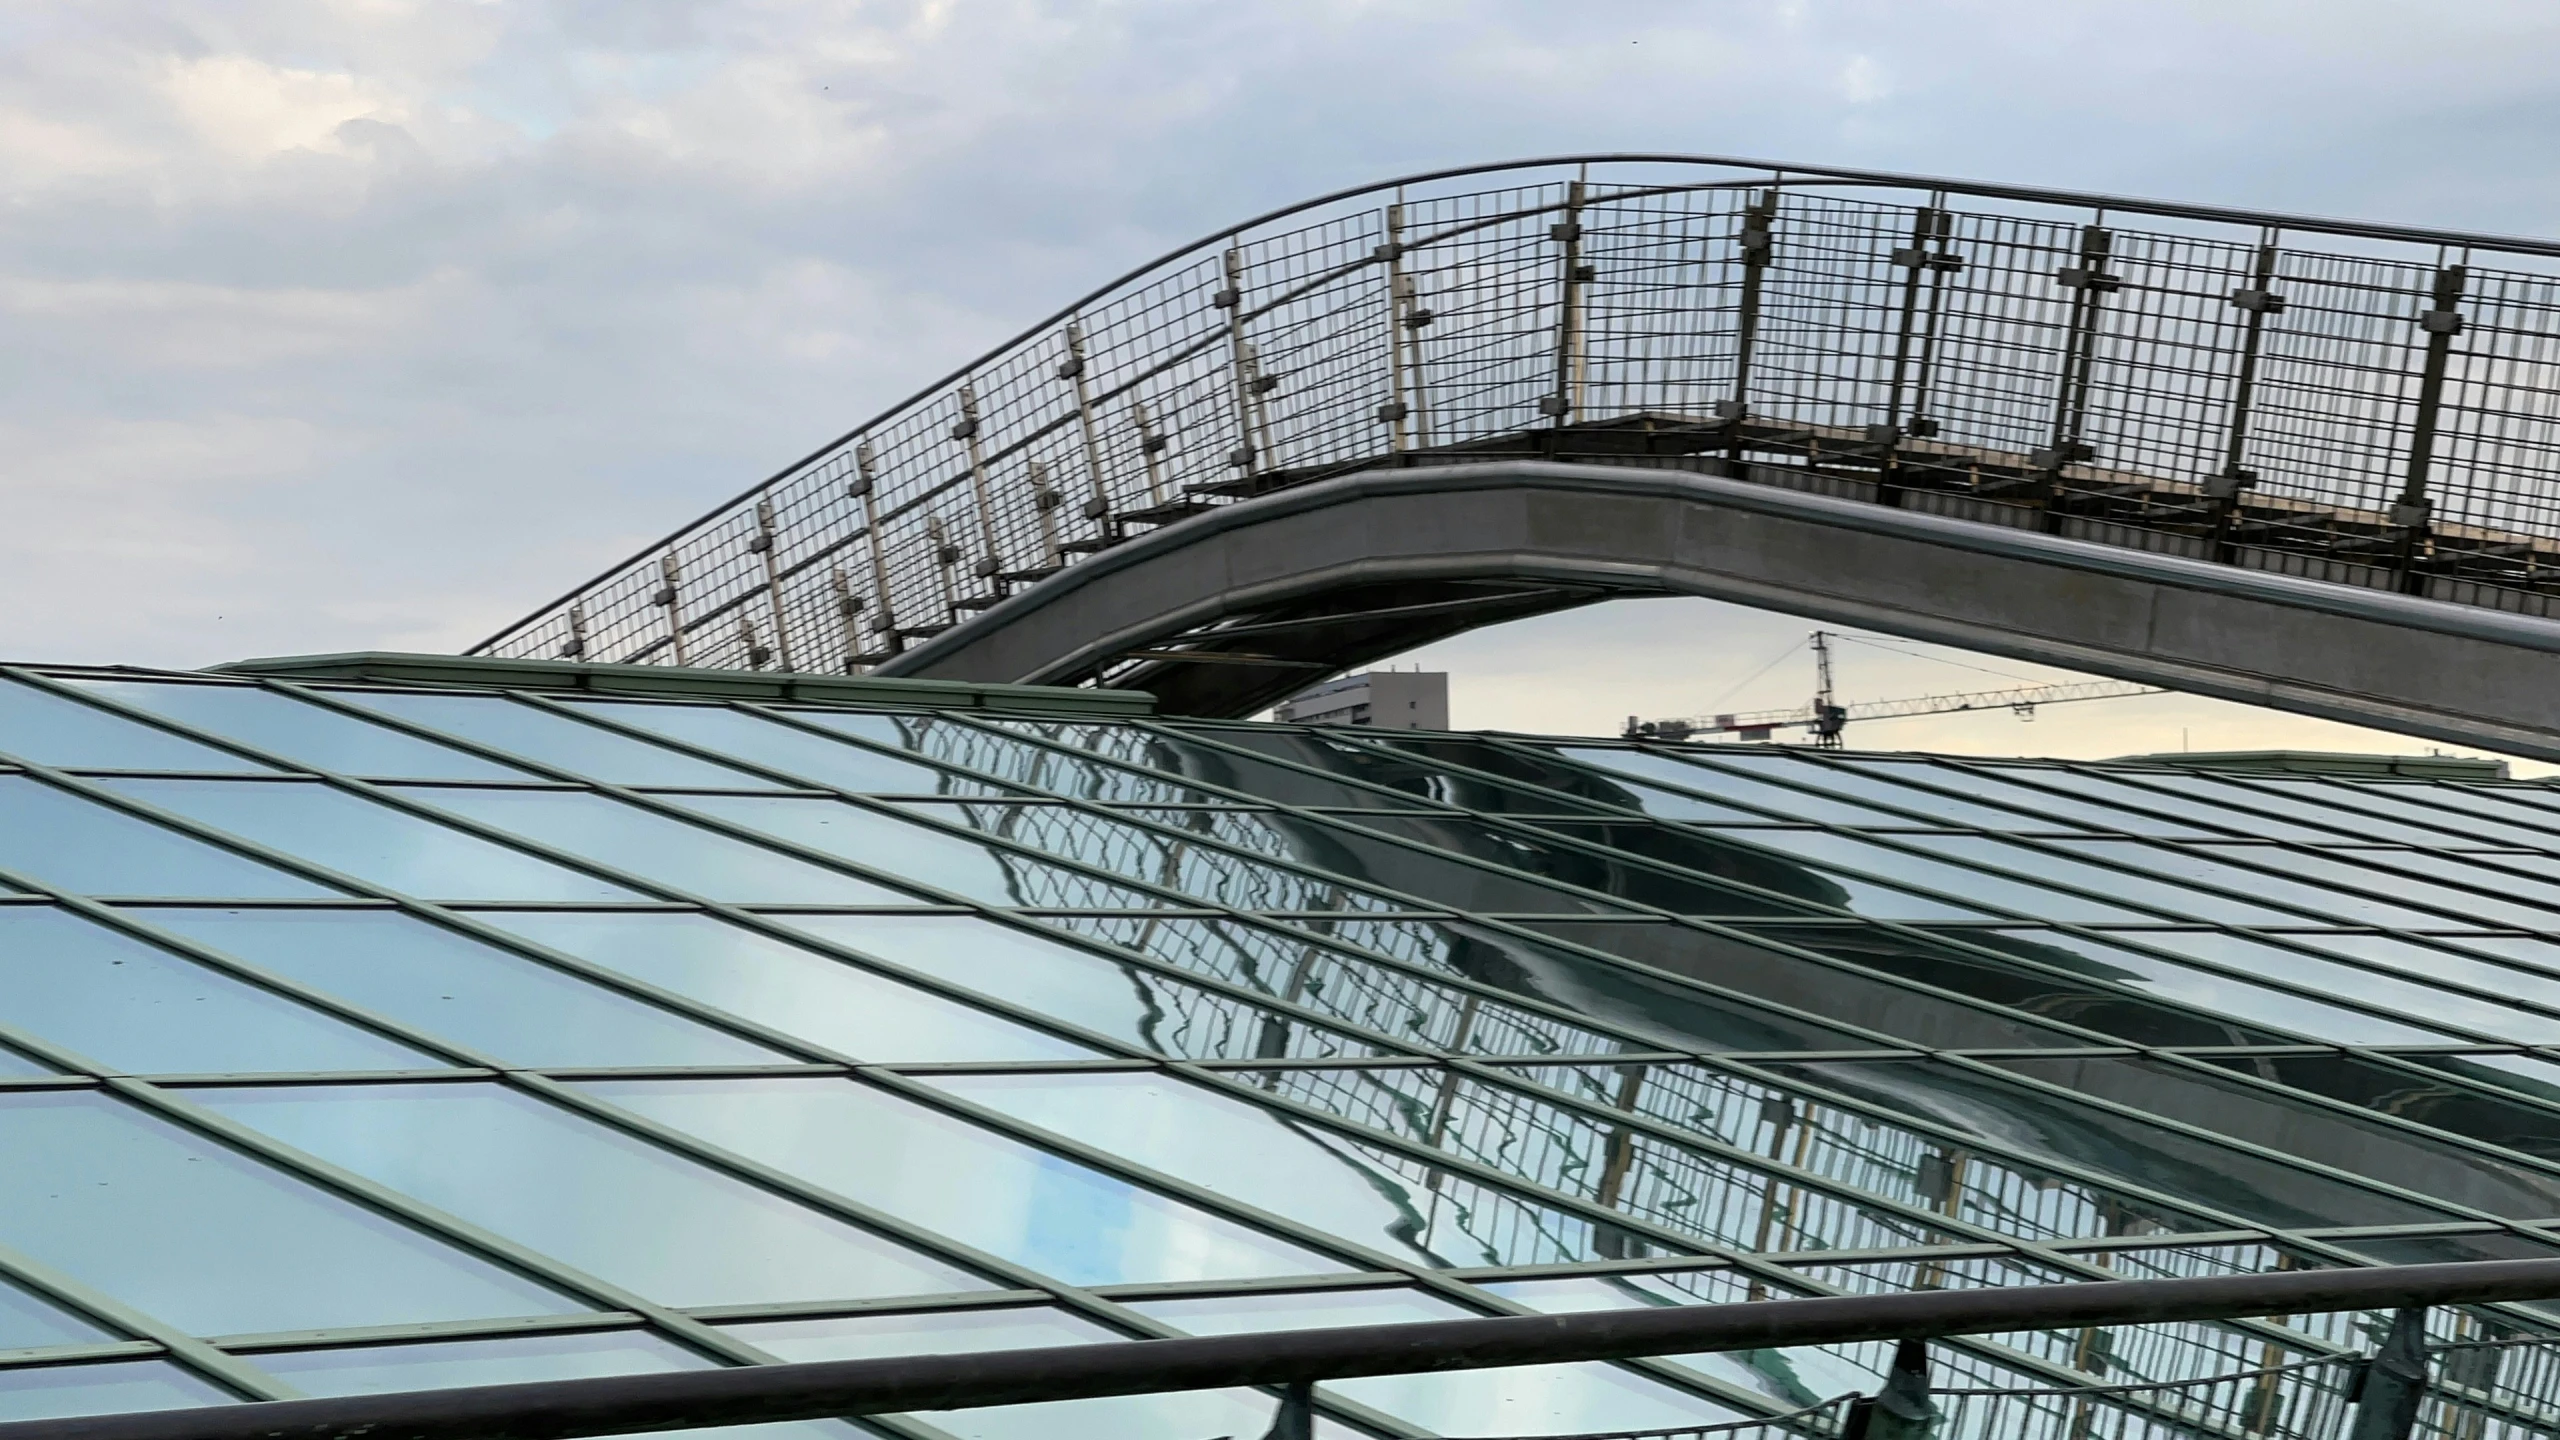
[[356, 1037]]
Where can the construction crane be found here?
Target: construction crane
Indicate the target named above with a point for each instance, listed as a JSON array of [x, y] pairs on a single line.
[[1826, 717]]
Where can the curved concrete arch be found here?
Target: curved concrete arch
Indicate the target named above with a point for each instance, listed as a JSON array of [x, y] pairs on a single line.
[[1221, 613]]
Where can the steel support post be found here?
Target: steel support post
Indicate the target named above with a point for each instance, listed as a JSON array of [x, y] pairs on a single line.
[[865, 490], [1398, 413], [764, 545], [1045, 501], [946, 559], [1918, 263], [1097, 506], [848, 616], [1759, 221], [2412, 514], [990, 564], [2089, 284], [1151, 450], [1240, 368], [1296, 1417], [670, 598], [1560, 403], [1411, 316], [2394, 1383], [1902, 1410], [575, 647], [2257, 303]]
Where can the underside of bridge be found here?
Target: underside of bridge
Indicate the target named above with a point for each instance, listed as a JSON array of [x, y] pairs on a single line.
[[1223, 613]]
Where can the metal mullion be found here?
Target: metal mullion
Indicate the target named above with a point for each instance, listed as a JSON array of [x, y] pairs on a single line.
[[1423, 1277], [879, 1305], [818, 1197], [191, 1353], [58, 1357], [371, 1336]]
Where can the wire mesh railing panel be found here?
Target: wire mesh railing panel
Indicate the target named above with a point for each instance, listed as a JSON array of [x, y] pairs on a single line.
[[2355, 403]]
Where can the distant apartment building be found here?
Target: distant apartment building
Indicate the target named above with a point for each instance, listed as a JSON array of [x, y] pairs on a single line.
[[1393, 699]]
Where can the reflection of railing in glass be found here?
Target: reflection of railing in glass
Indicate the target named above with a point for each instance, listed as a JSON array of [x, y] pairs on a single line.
[[2361, 403]]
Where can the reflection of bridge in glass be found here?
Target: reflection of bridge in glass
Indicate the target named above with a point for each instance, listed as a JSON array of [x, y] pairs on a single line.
[[1803, 1165], [2362, 404]]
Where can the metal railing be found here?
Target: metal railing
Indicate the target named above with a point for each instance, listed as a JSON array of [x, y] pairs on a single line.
[[2367, 404], [2451, 1391]]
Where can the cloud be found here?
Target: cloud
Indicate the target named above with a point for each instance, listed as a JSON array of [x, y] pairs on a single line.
[[356, 322]]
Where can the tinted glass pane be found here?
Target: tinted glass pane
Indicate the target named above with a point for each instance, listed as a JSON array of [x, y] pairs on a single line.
[[1314, 1176], [1030, 1206], [945, 861], [802, 992], [108, 1389], [27, 1322], [589, 751], [308, 734], [133, 1006], [1767, 802], [1183, 1415], [48, 729], [448, 984], [2015, 786], [799, 754], [602, 1200], [668, 851], [1510, 1400], [2237, 996], [1890, 863], [61, 839], [214, 1242], [373, 843], [516, 1359], [1126, 1002]]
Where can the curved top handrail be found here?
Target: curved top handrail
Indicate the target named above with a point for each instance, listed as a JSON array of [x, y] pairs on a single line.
[[1776, 173]]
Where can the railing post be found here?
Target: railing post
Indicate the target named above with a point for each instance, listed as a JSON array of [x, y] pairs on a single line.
[[1150, 449], [990, 566], [1397, 412], [1560, 404], [2394, 1384], [1045, 501], [2089, 282], [946, 558], [764, 544], [1759, 220], [1240, 366], [1098, 507], [670, 597], [848, 614], [1929, 226], [1410, 316], [576, 646], [1902, 1410], [1296, 1418], [865, 488], [2412, 512], [2258, 301]]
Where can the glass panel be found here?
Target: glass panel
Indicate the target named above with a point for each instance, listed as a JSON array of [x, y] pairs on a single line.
[[47, 729], [441, 981], [2130, 884], [2017, 786], [2495, 897], [373, 843], [61, 839], [1129, 1003], [816, 997], [2238, 802], [1035, 1208], [602, 1200], [1883, 903], [1509, 1400], [1318, 1177], [589, 751], [214, 1242], [2132, 788], [51, 1391], [514, 1359], [2404, 1000], [660, 848], [308, 734], [1859, 782], [135, 1007], [27, 1322], [983, 872], [796, 753], [1181, 1415], [1766, 802]]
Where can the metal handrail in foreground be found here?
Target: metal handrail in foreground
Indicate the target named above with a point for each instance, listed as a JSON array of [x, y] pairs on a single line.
[[546, 1410], [2369, 404]]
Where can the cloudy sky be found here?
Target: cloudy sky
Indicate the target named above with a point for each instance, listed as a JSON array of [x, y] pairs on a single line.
[[373, 324]]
